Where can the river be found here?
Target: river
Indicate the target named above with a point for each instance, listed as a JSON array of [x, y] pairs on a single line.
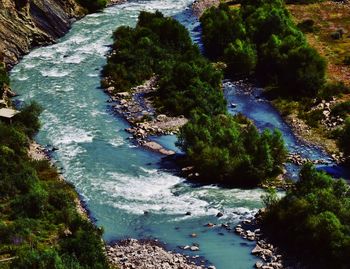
[[118, 180]]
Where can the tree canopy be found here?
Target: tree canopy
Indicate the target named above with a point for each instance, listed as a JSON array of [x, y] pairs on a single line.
[[313, 220], [261, 37]]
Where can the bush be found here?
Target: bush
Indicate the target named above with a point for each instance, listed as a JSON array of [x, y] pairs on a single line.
[[307, 26], [28, 119], [93, 5], [240, 57], [315, 213], [344, 138], [162, 46], [341, 109], [4, 79], [37, 209], [346, 60], [302, 73], [226, 150], [221, 20], [313, 117], [333, 89], [264, 39]]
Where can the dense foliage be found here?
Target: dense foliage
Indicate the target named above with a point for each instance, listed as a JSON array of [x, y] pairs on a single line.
[[260, 37], [4, 79], [230, 150], [313, 220], [93, 5], [162, 46], [223, 149], [344, 139], [39, 223]]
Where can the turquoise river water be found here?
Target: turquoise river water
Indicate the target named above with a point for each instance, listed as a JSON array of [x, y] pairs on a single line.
[[117, 179]]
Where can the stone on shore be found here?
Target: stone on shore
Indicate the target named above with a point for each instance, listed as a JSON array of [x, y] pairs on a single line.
[[133, 253]]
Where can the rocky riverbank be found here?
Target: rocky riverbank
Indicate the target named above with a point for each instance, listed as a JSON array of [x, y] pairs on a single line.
[[136, 107], [270, 257], [307, 135], [28, 24], [200, 6], [133, 254]]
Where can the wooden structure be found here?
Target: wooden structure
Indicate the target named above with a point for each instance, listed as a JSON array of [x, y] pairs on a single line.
[[7, 114]]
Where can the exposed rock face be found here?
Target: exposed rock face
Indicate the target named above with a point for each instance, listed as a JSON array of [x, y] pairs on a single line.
[[25, 24]]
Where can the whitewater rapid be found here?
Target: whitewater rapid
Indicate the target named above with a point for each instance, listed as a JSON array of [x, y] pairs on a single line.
[[118, 179]]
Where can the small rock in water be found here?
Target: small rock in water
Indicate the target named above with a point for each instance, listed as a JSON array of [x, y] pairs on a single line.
[[259, 264], [194, 248], [188, 213], [219, 214]]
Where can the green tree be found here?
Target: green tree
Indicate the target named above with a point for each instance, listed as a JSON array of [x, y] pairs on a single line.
[[241, 57]]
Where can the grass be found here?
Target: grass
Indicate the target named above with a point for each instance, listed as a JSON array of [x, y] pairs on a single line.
[[328, 17]]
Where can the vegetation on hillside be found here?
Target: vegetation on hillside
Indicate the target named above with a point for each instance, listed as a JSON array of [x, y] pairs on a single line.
[[4, 79], [313, 220], [39, 223], [260, 37], [223, 148], [93, 5]]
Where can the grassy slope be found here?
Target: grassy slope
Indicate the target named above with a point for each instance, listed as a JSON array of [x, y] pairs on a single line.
[[328, 16]]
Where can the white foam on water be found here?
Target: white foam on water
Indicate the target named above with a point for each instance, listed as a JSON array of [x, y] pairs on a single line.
[[29, 65], [70, 135], [74, 59], [22, 78], [116, 142], [96, 47], [95, 112], [152, 192], [44, 53], [54, 72]]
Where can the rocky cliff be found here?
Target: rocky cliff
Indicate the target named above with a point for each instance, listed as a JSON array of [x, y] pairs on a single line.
[[25, 24]]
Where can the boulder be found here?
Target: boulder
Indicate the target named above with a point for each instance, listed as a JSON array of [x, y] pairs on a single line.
[[219, 214], [259, 264], [122, 94], [257, 250], [194, 248]]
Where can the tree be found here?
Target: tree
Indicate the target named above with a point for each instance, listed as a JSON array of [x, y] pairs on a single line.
[[302, 72], [241, 57], [344, 139], [28, 119]]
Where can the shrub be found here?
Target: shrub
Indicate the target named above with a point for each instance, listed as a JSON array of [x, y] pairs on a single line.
[[302, 72], [344, 138], [240, 57], [346, 60], [266, 40], [28, 119], [4, 79], [162, 46], [341, 109], [307, 26], [225, 150], [314, 213], [93, 5], [333, 89]]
